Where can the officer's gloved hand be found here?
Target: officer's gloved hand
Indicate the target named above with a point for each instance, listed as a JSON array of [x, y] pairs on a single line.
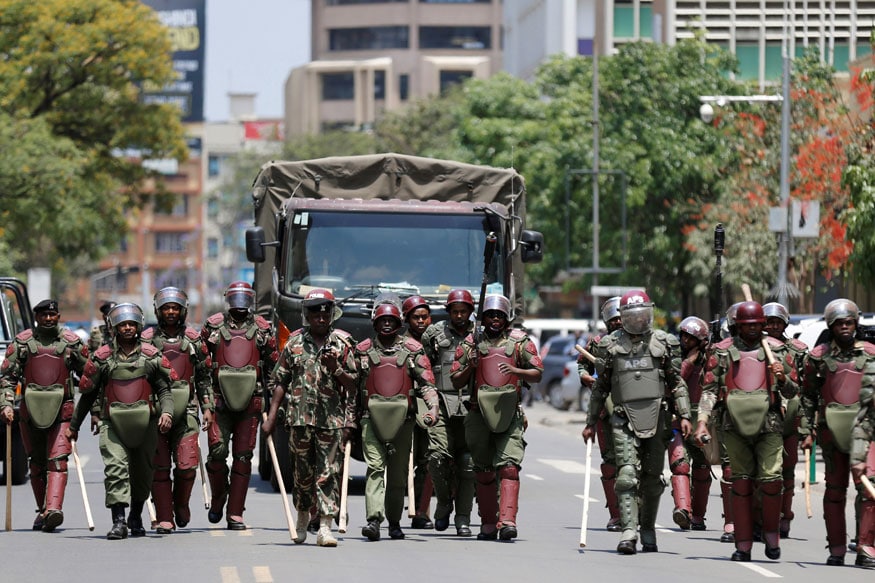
[[430, 418], [95, 424], [7, 415]]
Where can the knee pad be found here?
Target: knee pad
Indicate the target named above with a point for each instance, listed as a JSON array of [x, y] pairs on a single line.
[[485, 478], [609, 471], [187, 452], [727, 473], [465, 465], [627, 479], [510, 472], [772, 488], [680, 467], [835, 495]]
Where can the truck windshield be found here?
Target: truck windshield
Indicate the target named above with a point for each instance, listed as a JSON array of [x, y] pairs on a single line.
[[425, 254]]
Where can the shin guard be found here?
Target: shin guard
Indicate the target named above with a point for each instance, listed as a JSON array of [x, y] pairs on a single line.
[[701, 487], [742, 513], [487, 500], [509, 492]]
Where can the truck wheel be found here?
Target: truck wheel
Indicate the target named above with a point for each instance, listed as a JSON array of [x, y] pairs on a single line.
[[19, 458], [284, 459], [554, 390]]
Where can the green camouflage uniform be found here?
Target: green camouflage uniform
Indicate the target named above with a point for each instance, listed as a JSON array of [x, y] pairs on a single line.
[[450, 463], [99, 336], [127, 470], [318, 410], [386, 478]]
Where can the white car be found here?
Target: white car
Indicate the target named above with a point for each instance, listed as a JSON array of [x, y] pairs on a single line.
[[811, 330], [570, 392]]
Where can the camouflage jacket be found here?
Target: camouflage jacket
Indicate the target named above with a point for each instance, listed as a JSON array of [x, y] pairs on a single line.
[[315, 397]]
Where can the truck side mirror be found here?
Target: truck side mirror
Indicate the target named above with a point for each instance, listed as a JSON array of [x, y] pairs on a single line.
[[532, 243], [255, 244]]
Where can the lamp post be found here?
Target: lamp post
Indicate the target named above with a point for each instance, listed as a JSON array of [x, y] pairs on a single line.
[[782, 289]]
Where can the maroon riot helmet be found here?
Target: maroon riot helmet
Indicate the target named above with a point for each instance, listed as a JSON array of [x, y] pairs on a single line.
[[412, 303], [636, 312], [695, 327], [750, 313], [462, 296]]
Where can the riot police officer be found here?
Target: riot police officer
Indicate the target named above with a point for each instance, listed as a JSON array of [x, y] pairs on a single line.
[[499, 361], [641, 372]]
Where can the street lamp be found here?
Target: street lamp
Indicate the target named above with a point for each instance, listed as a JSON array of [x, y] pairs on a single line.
[[782, 289]]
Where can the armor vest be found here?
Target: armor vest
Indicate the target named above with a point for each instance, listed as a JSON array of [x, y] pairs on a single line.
[[180, 360], [694, 384], [46, 367], [388, 377], [488, 372], [128, 384], [843, 385], [446, 350], [237, 348], [747, 373]]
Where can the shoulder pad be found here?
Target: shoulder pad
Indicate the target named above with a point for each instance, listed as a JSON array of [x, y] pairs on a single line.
[[295, 333], [342, 333], [364, 345], [672, 340], [869, 348], [262, 323], [412, 345], [724, 344], [605, 341], [517, 334], [149, 350], [25, 335], [798, 345], [148, 334], [103, 352], [820, 350], [659, 334], [216, 319], [596, 339], [191, 333], [775, 343], [70, 336]]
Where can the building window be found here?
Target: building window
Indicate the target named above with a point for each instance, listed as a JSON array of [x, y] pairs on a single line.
[[379, 84], [180, 208], [173, 278], [214, 165], [212, 247], [404, 87], [450, 78], [371, 38], [170, 242], [213, 208], [337, 86], [455, 37]]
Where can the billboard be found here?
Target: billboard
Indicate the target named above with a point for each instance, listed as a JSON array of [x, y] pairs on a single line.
[[186, 23]]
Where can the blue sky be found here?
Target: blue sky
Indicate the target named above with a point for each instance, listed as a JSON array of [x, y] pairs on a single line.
[[251, 47]]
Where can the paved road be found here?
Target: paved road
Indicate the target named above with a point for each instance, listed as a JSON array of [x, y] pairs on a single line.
[[549, 525]]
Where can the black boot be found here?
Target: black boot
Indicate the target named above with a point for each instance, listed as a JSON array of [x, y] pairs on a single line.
[[119, 529], [135, 518]]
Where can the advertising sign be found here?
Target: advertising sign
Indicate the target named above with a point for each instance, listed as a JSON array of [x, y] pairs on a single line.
[[186, 24]]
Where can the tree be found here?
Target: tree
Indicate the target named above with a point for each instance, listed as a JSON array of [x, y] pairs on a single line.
[[71, 117]]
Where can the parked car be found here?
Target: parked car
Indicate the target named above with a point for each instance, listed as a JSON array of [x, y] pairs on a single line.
[[555, 352], [812, 330], [570, 391], [15, 317]]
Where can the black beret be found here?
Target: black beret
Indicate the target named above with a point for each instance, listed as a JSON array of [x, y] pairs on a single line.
[[46, 306], [106, 307]]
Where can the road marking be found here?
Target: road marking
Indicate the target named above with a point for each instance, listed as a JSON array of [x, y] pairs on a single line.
[[591, 499], [761, 571], [262, 575], [229, 575], [216, 532], [534, 477], [566, 466], [247, 532]]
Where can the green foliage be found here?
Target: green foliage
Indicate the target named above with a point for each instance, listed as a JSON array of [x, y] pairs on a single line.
[[70, 103], [860, 217]]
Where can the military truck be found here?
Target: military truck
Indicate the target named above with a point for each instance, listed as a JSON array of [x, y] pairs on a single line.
[[365, 226], [15, 317]]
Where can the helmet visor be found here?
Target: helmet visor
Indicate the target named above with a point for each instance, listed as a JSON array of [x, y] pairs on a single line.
[[637, 320]]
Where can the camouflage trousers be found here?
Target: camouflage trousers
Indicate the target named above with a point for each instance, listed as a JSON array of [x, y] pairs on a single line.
[[316, 461]]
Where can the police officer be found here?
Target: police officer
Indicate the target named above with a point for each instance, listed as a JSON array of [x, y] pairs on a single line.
[[393, 371], [101, 334], [499, 361], [316, 369], [417, 316], [751, 390], [837, 374], [690, 470], [242, 348], [130, 380], [641, 372], [450, 464], [862, 462], [586, 370], [41, 361], [777, 319], [188, 356]]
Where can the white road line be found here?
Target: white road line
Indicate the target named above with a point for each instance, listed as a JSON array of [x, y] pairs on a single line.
[[216, 532], [262, 575], [761, 571], [534, 477], [566, 466], [247, 532], [591, 499], [229, 574]]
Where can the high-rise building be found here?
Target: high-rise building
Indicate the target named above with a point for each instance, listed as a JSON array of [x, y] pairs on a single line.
[[370, 56]]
